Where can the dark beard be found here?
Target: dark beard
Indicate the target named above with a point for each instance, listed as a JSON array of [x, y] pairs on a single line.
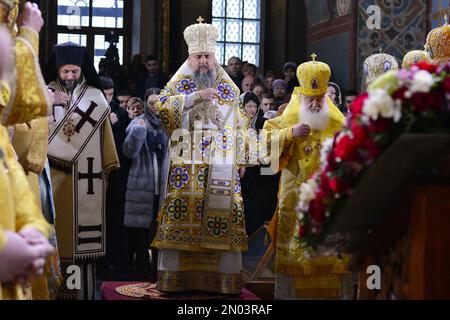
[[205, 80], [69, 85]]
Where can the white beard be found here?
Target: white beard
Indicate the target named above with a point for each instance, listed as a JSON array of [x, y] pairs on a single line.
[[317, 121]]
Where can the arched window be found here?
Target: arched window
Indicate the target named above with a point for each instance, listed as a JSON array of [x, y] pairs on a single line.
[[239, 24], [87, 22]]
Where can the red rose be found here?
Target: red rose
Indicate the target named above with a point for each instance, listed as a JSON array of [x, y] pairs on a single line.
[[427, 101], [380, 125], [345, 149], [302, 231], [446, 84], [334, 185], [357, 106], [331, 162], [359, 135], [341, 147], [317, 210], [438, 100], [421, 101], [431, 68], [400, 95], [339, 186], [373, 148], [324, 186]]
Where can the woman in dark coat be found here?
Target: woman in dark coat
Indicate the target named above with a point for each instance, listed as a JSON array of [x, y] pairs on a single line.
[[259, 190], [146, 145]]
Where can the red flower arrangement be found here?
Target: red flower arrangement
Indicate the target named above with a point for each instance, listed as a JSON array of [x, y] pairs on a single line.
[[396, 103]]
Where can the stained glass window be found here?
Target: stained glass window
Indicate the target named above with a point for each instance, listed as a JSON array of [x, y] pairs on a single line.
[[107, 13], [239, 24], [86, 22], [73, 14]]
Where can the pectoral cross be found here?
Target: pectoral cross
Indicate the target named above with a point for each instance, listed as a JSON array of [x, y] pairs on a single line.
[[381, 50], [314, 56], [200, 20]]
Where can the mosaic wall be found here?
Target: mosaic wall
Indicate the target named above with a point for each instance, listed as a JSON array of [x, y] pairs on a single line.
[[403, 28], [439, 8]]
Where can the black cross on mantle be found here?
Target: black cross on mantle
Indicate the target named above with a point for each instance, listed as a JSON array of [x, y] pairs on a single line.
[[90, 176], [85, 117]]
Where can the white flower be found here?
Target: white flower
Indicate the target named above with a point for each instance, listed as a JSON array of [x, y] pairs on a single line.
[[302, 207], [397, 110], [381, 104], [408, 94], [422, 82], [327, 146], [308, 191]]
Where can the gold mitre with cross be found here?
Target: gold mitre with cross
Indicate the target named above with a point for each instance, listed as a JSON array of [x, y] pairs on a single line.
[[201, 37], [438, 43], [313, 77], [415, 56], [378, 64]]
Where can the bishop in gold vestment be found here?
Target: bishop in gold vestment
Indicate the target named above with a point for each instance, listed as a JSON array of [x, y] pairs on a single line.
[[201, 234], [309, 119]]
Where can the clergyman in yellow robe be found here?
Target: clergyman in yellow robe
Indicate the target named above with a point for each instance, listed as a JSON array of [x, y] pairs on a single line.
[[23, 97], [300, 132], [24, 80], [30, 141]]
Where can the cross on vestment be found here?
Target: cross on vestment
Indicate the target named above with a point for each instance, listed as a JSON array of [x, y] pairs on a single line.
[[314, 56], [200, 19], [85, 117], [90, 176]]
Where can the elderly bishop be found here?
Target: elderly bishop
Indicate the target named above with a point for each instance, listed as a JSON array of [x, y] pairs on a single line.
[[309, 120]]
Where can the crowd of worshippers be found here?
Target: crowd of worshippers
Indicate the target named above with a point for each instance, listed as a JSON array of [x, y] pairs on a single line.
[[139, 136]]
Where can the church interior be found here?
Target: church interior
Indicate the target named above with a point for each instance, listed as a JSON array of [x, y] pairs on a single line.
[[360, 211]]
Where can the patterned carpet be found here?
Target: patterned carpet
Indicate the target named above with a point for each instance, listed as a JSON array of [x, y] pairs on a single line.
[[148, 291]]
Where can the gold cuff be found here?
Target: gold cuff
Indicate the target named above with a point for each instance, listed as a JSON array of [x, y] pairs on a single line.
[[31, 36]]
